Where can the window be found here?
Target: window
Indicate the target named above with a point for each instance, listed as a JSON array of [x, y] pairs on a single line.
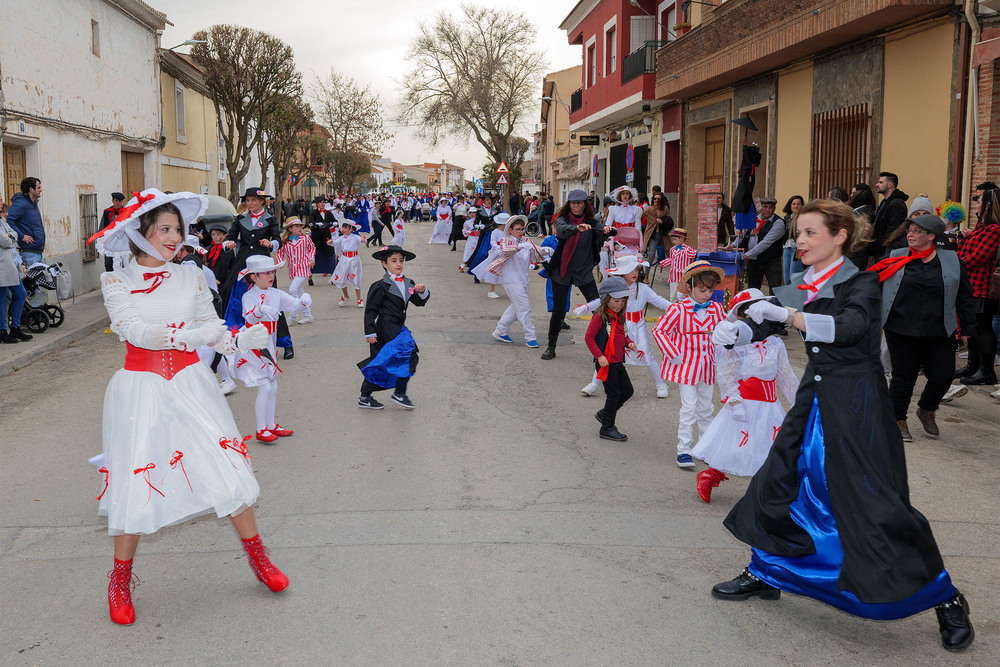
[[222, 153], [643, 29], [95, 38], [181, 115], [668, 19], [611, 46], [88, 225], [840, 149], [591, 64]]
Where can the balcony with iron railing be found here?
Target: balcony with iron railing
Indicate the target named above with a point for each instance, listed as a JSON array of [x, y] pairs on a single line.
[[576, 100], [641, 61]]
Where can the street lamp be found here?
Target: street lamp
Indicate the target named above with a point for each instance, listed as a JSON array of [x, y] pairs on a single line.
[[188, 42]]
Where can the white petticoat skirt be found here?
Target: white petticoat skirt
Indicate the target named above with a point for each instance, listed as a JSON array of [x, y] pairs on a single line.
[[163, 455], [442, 231], [347, 272], [740, 437]]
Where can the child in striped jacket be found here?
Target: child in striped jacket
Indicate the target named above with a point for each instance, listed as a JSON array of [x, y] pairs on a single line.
[[684, 335], [300, 253]]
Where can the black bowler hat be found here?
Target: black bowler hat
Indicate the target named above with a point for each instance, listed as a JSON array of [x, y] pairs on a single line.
[[386, 251], [117, 195], [254, 192]]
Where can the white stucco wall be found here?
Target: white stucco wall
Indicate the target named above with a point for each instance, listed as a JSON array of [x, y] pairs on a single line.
[[53, 74]]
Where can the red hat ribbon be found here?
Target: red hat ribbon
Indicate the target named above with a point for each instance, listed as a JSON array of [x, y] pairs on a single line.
[[126, 213]]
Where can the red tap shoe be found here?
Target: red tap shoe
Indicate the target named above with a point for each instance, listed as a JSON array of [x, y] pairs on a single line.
[[707, 480], [266, 436], [280, 432], [120, 593], [261, 565]]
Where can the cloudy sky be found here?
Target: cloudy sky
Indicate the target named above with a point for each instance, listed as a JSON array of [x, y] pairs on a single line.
[[367, 40]]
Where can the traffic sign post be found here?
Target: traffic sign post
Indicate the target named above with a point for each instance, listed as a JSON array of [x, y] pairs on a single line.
[[502, 180], [502, 169]]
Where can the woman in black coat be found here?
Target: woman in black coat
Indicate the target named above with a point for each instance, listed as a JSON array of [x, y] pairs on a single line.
[[828, 514]]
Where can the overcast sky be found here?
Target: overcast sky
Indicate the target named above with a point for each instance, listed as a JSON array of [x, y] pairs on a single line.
[[367, 40]]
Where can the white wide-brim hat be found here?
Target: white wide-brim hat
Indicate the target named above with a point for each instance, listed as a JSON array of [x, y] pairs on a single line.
[[523, 219], [192, 242], [626, 264], [347, 221], [501, 218], [260, 264], [744, 298], [632, 191], [116, 236]]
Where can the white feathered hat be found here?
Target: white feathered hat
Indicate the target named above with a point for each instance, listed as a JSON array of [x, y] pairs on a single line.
[[116, 236], [625, 188]]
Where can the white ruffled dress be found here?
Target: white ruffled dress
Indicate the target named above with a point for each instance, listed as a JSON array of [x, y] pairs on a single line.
[[163, 454]]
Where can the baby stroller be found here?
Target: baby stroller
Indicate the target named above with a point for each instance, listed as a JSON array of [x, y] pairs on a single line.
[[38, 280], [425, 212]]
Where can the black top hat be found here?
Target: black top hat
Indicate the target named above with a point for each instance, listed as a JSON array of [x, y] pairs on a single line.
[[254, 192], [386, 251], [117, 195]]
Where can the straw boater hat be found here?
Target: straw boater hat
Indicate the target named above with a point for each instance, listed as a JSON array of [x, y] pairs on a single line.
[[617, 194], [700, 266], [116, 236], [626, 264], [293, 220], [678, 231], [385, 251], [523, 219], [260, 264], [744, 298]]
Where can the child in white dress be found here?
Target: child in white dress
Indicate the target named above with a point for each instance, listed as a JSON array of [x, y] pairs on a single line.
[[348, 269], [480, 270], [263, 304], [750, 378], [517, 254], [399, 234]]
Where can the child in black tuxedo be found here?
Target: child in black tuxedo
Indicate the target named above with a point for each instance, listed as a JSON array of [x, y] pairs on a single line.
[[393, 359]]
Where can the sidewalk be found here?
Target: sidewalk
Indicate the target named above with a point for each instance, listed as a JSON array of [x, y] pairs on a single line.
[[88, 315]]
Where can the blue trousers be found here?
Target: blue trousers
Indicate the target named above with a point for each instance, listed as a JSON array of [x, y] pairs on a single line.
[[16, 295]]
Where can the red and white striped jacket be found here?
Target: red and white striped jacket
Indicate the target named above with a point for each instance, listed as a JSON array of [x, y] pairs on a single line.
[[680, 334], [678, 259], [299, 254]]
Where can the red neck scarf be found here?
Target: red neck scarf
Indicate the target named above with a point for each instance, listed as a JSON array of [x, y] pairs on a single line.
[[609, 349], [890, 265], [213, 253], [569, 248], [818, 281]]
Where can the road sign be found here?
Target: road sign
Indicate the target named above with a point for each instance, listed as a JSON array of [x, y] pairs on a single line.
[[629, 158], [590, 140], [629, 176], [593, 171], [502, 169], [479, 186], [502, 180]]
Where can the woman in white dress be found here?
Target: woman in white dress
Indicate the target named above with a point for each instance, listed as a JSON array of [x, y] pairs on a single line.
[[172, 451], [496, 238], [442, 222]]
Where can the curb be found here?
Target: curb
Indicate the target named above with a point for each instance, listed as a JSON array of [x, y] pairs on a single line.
[[57, 342]]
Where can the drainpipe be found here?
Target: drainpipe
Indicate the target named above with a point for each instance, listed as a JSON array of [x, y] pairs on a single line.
[[971, 102]]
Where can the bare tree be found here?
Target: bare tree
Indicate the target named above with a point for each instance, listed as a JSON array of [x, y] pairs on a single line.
[[250, 74], [478, 73], [348, 168], [351, 113], [284, 131]]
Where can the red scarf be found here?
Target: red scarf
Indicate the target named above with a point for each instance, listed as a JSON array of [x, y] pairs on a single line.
[[609, 349], [213, 253], [818, 281], [890, 265], [569, 248]]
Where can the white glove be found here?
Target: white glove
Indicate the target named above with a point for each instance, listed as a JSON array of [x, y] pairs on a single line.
[[268, 312], [762, 310], [726, 332], [254, 338], [187, 340], [733, 400], [582, 309], [306, 300]]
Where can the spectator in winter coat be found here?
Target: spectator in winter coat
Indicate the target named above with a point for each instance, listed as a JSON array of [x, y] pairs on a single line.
[[890, 214], [24, 218]]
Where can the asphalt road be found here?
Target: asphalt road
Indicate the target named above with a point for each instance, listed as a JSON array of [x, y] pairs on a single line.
[[489, 526]]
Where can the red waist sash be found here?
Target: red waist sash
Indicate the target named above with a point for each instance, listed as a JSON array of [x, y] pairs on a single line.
[[351, 253], [165, 363], [474, 233], [755, 389], [635, 316]]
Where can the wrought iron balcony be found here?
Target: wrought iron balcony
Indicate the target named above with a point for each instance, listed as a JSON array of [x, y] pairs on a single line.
[[576, 100], [641, 61]]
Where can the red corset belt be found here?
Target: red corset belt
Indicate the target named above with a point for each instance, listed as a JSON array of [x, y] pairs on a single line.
[[350, 253], [755, 389], [165, 363]]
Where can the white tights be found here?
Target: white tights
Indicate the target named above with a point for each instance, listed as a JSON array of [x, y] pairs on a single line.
[[297, 289], [207, 356], [267, 399]]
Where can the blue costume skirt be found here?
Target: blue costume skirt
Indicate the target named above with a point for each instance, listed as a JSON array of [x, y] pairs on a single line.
[[363, 221], [816, 575], [392, 361]]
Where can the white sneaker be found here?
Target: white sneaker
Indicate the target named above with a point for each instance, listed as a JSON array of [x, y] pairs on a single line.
[[662, 391], [361, 303], [306, 319], [954, 391], [492, 295], [996, 394], [343, 302], [590, 389], [227, 387]]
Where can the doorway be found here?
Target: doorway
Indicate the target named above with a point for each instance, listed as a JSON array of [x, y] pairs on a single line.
[[133, 175], [14, 170], [715, 153]]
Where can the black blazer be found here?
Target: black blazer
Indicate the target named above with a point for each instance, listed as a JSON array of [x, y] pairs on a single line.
[[248, 235], [385, 309]]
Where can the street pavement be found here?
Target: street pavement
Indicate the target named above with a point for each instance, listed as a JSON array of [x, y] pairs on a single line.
[[488, 526]]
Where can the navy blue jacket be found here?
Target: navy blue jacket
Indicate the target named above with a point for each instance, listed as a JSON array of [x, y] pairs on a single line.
[[24, 218]]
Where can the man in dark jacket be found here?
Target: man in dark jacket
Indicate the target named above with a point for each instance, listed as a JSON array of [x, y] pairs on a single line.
[[890, 214], [763, 247], [546, 210], [25, 219]]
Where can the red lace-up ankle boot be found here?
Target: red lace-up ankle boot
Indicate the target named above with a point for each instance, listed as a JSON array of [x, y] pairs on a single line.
[[262, 567], [707, 480], [120, 593]]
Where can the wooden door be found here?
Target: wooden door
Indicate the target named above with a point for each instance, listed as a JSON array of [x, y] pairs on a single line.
[[715, 150], [13, 170], [133, 176]]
